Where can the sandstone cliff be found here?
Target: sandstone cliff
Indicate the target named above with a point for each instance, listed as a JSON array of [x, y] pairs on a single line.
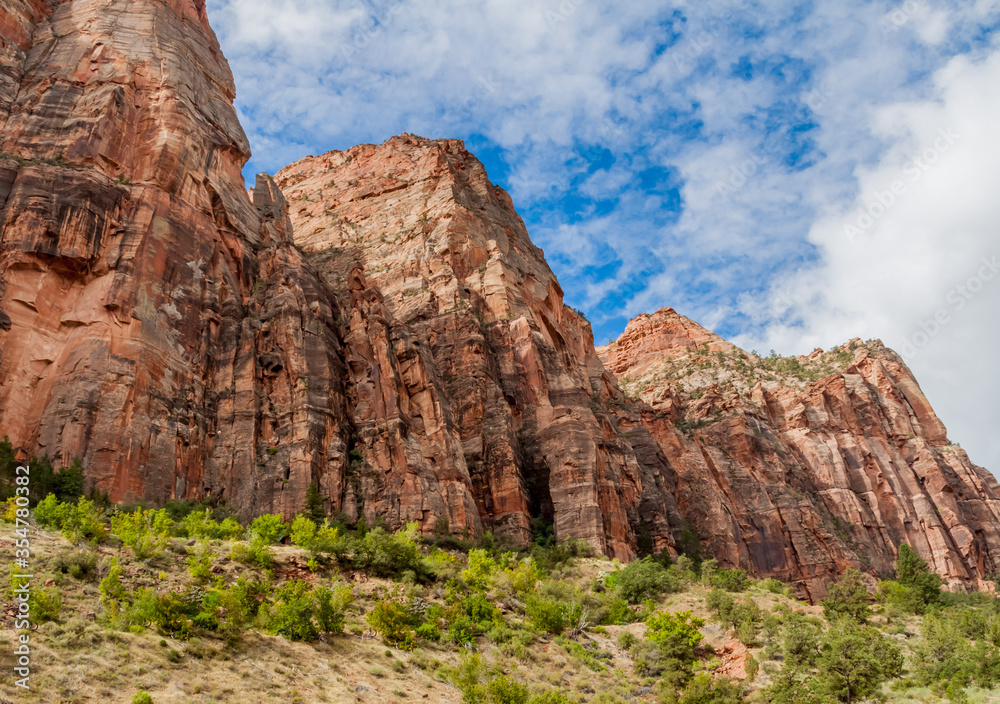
[[470, 382], [391, 334], [154, 322], [801, 467]]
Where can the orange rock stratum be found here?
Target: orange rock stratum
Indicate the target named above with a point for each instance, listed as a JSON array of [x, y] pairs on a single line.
[[378, 322]]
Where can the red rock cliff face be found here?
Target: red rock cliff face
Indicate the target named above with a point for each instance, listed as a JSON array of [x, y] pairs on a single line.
[[470, 382], [396, 338], [155, 322], [801, 467]]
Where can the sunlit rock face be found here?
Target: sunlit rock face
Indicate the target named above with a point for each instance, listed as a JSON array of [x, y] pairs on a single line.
[[802, 467], [474, 391], [377, 322], [156, 323]]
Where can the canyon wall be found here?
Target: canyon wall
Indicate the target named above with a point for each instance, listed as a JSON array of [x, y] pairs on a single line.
[[802, 467], [155, 323], [377, 322], [471, 383]]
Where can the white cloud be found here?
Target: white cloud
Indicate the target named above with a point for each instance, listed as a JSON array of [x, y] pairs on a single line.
[[899, 278]]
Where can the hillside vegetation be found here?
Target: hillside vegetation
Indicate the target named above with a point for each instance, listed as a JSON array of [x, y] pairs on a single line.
[[186, 604]]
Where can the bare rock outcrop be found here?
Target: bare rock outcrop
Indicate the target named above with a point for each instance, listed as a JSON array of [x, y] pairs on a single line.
[[155, 323], [801, 467], [472, 384]]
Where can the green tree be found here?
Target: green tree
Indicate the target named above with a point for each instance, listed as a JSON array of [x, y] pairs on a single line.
[[704, 689], [856, 660], [848, 597], [146, 532], [791, 686], [677, 635], [801, 645], [912, 572], [394, 622], [641, 580], [314, 504], [267, 529]]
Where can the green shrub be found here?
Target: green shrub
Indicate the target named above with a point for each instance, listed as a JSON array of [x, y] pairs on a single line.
[[146, 532], [293, 611], [331, 608], [142, 697], [848, 597], [385, 554], [481, 685], [79, 521], [50, 512], [549, 697], [256, 554], [393, 621], [481, 570], [731, 580], [522, 576], [627, 640], [615, 611], [683, 572], [267, 529], [428, 631], [84, 522], [640, 580], [703, 689], [776, 586], [79, 564], [901, 597], [112, 591], [318, 539], [549, 615], [744, 617], [202, 525], [200, 563], [173, 614], [481, 610], [677, 635], [44, 604], [856, 660], [248, 595], [912, 572], [463, 631], [303, 531], [505, 690], [800, 645], [751, 667]]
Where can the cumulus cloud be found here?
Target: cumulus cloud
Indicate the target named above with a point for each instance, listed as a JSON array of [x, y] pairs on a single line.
[[915, 258], [703, 154]]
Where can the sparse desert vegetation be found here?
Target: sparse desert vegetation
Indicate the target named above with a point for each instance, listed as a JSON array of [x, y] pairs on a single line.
[[183, 603]]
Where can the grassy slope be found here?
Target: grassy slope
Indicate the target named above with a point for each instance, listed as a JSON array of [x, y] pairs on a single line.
[[77, 659]]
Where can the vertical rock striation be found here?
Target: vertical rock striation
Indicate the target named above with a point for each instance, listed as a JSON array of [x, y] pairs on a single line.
[[391, 334], [142, 292], [802, 467], [471, 384]]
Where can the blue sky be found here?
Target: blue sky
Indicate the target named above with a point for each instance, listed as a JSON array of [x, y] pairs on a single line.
[[710, 156]]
